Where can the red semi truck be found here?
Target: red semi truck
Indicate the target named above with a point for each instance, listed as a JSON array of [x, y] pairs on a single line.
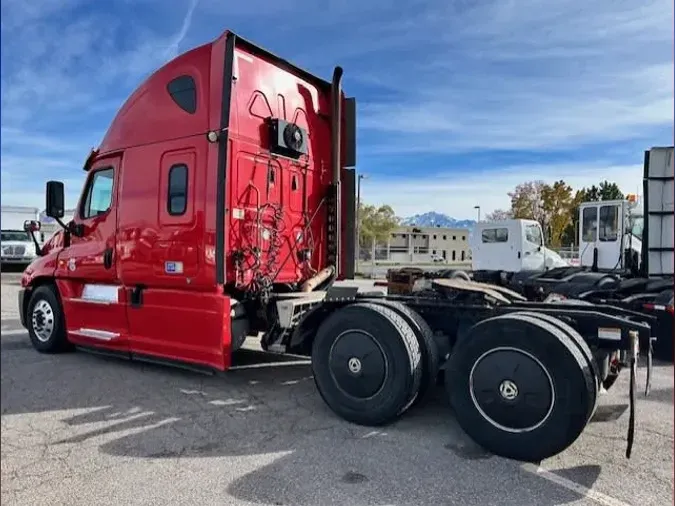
[[220, 204]]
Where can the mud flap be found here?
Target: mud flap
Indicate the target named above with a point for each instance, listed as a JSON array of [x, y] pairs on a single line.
[[634, 353]]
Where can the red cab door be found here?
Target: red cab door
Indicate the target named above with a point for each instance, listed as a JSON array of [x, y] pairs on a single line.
[[93, 300], [177, 315]]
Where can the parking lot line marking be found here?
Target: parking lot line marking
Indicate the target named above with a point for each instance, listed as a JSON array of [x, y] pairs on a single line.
[[588, 493], [13, 332]]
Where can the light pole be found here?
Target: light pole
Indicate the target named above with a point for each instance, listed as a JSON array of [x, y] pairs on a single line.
[[358, 216], [477, 208]]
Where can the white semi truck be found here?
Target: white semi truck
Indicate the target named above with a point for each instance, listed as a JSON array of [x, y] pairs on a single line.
[[16, 245], [511, 246]]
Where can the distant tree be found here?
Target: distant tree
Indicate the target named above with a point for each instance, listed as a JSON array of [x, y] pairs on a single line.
[[526, 201], [610, 191], [375, 224], [557, 201], [549, 205], [570, 233], [604, 191], [498, 215], [591, 194]]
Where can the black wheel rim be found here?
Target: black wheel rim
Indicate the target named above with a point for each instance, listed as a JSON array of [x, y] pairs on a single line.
[[357, 364], [512, 389]]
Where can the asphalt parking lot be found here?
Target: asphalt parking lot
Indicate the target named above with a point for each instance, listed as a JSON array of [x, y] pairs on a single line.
[[83, 429]]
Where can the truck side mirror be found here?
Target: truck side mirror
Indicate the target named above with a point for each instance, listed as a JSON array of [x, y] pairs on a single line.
[[55, 207], [31, 226]]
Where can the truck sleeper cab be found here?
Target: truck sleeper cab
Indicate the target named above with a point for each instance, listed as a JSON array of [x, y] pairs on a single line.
[[213, 187], [220, 203]]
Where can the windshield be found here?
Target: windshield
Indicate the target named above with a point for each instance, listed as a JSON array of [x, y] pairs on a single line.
[[14, 235], [637, 223]]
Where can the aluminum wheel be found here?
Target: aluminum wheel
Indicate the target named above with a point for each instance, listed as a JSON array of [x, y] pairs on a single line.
[[42, 319]]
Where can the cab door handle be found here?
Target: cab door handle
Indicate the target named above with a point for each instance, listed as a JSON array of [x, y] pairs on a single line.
[[108, 258]]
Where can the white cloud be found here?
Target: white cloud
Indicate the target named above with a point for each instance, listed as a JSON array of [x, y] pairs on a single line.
[[517, 75], [457, 194], [65, 73], [441, 78], [172, 49]]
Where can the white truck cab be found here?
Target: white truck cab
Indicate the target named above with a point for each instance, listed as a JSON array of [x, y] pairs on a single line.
[[16, 245], [612, 232], [608, 230], [511, 246]]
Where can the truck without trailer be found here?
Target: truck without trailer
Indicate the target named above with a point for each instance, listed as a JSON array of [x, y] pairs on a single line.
[[221, 204]]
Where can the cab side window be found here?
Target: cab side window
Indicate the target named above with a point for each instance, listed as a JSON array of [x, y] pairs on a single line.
[[589, 224], [99, 193], [609, 223], [178, 186], [533, 235], [492, 235]]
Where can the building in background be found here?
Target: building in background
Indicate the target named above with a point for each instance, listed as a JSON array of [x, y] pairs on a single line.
[[412, 244]]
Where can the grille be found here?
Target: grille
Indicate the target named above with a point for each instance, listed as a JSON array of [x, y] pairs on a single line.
[[17, 251]]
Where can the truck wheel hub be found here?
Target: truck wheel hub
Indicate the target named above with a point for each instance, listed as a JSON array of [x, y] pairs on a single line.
[[508, 389], [354, 365], [42, 319], [494, 387], [358, 364]]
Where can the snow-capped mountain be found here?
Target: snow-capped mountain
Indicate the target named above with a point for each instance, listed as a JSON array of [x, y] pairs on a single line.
[[434, 219]]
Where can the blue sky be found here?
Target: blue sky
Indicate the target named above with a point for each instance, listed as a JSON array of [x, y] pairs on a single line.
[[458, 100]]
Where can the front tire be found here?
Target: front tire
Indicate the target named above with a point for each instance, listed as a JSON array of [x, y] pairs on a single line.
[[45, 322]]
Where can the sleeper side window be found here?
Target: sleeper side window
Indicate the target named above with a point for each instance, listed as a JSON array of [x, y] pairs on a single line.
[[177, 188], [98, 197], [183, 92]]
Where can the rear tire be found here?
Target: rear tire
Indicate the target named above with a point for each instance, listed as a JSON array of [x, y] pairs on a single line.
[[460, 275], [45, 322], [520, 387], [431, 355], [582, 346], [366, 363], [454, 274]]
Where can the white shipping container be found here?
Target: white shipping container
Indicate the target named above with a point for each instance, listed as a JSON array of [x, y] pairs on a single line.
[[660, 210]]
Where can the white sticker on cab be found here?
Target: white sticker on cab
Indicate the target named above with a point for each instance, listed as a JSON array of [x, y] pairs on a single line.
[[173, 267]]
